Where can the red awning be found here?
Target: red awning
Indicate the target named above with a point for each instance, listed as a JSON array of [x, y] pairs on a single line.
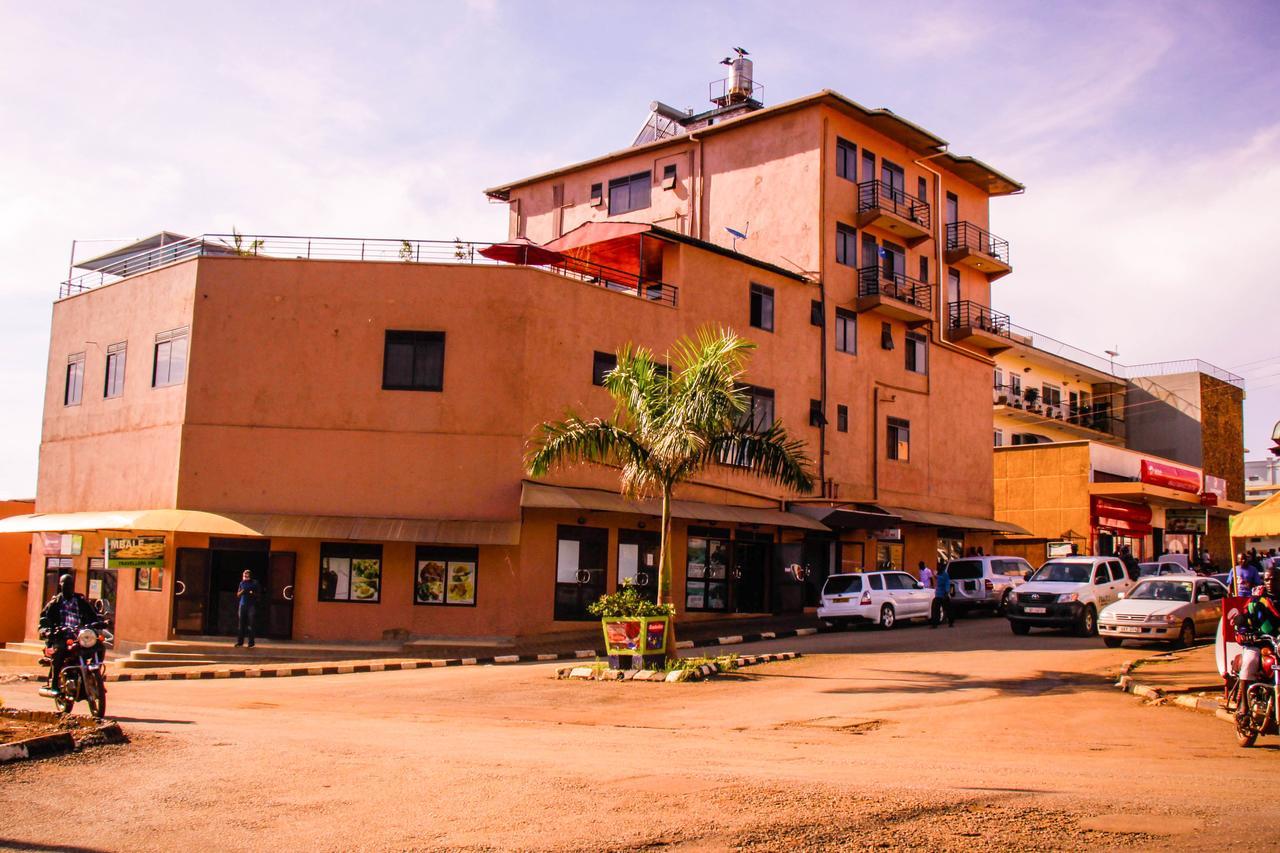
[[589, 233], [524, 252]]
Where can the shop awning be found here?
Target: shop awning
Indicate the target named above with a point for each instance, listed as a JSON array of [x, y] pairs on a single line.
[[1259, 521], [959, 522], [444, 531], [850, 516], [1161, 496], [544, 496]]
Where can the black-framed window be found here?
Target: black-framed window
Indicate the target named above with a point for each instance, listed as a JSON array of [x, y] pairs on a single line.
[[581, 562], [350, 572], [924, 268], [815, 313], [998, 438], [842, 418], [55, 567], [669, 176], [1051, 394], [868, 165], [816, 417], [113, 381], [169, 364], [448, 576], [601, 364], [846, 245], [762, 307], [706, 584], [922, 188], [759, 415], [893, 180], [917, 353], [846, 331], [597, 195], [413, 361], [846, 160], [898, 439], [149, 579], [886, 336], [998, 378], [630, 193], [953, 208], [73, 392]]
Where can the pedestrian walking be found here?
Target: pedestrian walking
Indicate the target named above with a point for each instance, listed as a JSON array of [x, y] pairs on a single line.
[[247, 596], [926, 575], [942, 599]]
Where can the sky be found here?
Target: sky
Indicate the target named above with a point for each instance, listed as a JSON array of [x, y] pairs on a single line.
[[1147, 134]]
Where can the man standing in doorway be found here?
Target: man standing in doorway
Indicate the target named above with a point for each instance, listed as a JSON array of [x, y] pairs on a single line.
[[247, 596], [926, 575], [942, 599]]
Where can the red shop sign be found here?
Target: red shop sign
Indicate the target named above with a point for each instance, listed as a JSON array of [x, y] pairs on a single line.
[[1135, 513], [1170, 476], [1120, 525]]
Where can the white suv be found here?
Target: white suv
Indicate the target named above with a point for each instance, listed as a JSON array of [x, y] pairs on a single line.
[[1068, 592], [879, 597], [985, 582]]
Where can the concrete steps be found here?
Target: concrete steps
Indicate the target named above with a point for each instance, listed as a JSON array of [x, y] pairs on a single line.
[[181, 653], [22, 654]]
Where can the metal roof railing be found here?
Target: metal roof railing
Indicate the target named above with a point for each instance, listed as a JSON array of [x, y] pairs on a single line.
[[1186, 365], [357, 249]]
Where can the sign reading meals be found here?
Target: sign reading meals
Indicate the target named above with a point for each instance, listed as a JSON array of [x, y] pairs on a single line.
[[137, 552]]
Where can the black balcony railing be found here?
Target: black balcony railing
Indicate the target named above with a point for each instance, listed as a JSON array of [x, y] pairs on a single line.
[[967, 314], [1096, 416], [876, 281], [873, 195], [966, 235]]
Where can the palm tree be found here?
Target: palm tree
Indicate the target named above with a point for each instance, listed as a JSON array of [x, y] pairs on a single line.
[[667, 427]]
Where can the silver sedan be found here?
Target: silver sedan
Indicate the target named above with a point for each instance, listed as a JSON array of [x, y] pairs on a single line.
[[1167, 608]]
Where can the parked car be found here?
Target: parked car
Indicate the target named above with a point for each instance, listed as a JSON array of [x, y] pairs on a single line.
[[1176, 607], [1146, 570], [879, 597], [985, 583], [1068, 592]]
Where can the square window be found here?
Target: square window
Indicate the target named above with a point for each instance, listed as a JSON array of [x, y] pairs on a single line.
[[842, 418], [898, 442], [113, 382], [446, 576], [413, 361], [169, 363], [816, 417], [601, 364], [917, 353], [846, 331], [629, 193], [846, 160], [350, 572], [846, 245], [762, 307], [73, 392]]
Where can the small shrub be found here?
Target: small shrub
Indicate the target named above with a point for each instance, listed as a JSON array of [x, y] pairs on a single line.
[[628, 602]]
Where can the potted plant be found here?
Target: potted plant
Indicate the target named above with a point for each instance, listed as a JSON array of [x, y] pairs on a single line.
[[634, 628], [1032, 396]]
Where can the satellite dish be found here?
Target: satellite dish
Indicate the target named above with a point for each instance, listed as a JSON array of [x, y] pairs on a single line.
[[738, 235]]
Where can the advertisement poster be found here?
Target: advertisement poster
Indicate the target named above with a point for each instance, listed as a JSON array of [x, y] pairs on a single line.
[[430, 586], [717, 596], [697, 565], [138, 552], [694, 600], [1186, 520], [462, 583]]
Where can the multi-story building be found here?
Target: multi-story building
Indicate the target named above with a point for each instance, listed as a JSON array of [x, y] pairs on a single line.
[[1261, 480], [348, 419], [15, 558]]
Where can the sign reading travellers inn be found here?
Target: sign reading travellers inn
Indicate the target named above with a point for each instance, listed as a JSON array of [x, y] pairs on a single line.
[[136, 552]]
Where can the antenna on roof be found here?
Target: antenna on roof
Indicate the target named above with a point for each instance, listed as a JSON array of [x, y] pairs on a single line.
[[739, 235]]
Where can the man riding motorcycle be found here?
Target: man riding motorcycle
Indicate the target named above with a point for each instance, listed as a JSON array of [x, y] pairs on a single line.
[[1260, 616], [64, 615]]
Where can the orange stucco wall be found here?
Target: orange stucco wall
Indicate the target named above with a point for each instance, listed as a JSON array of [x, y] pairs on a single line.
[[14, 558]]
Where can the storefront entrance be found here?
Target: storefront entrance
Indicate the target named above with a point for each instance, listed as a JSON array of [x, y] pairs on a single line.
[[205, 586], [749, 580]]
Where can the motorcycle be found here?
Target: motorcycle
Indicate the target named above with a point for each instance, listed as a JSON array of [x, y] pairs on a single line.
[[1256, 709], [83, 676]]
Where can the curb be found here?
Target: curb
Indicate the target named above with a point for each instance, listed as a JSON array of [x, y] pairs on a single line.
[[1182, 700], [699, 673], [293, 670], [57, 743]]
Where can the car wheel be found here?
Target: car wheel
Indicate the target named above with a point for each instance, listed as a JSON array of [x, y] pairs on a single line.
[[1020, 628], [1187, 635], [828, 623], [1004, 603], [887, 617], [1088, 622], [1112, 642]]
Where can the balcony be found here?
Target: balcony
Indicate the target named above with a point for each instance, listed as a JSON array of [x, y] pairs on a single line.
[[973, 247], [893, 210], [976, 325], [897, 296], [1026, 406]]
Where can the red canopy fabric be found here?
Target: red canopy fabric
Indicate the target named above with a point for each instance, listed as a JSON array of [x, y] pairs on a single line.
[[524, 252]]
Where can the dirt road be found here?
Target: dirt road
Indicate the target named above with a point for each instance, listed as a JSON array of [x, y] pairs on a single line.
[[949, 739]]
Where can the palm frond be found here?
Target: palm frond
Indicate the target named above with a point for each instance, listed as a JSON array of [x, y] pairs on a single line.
[[574, 440], [769, 454]]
